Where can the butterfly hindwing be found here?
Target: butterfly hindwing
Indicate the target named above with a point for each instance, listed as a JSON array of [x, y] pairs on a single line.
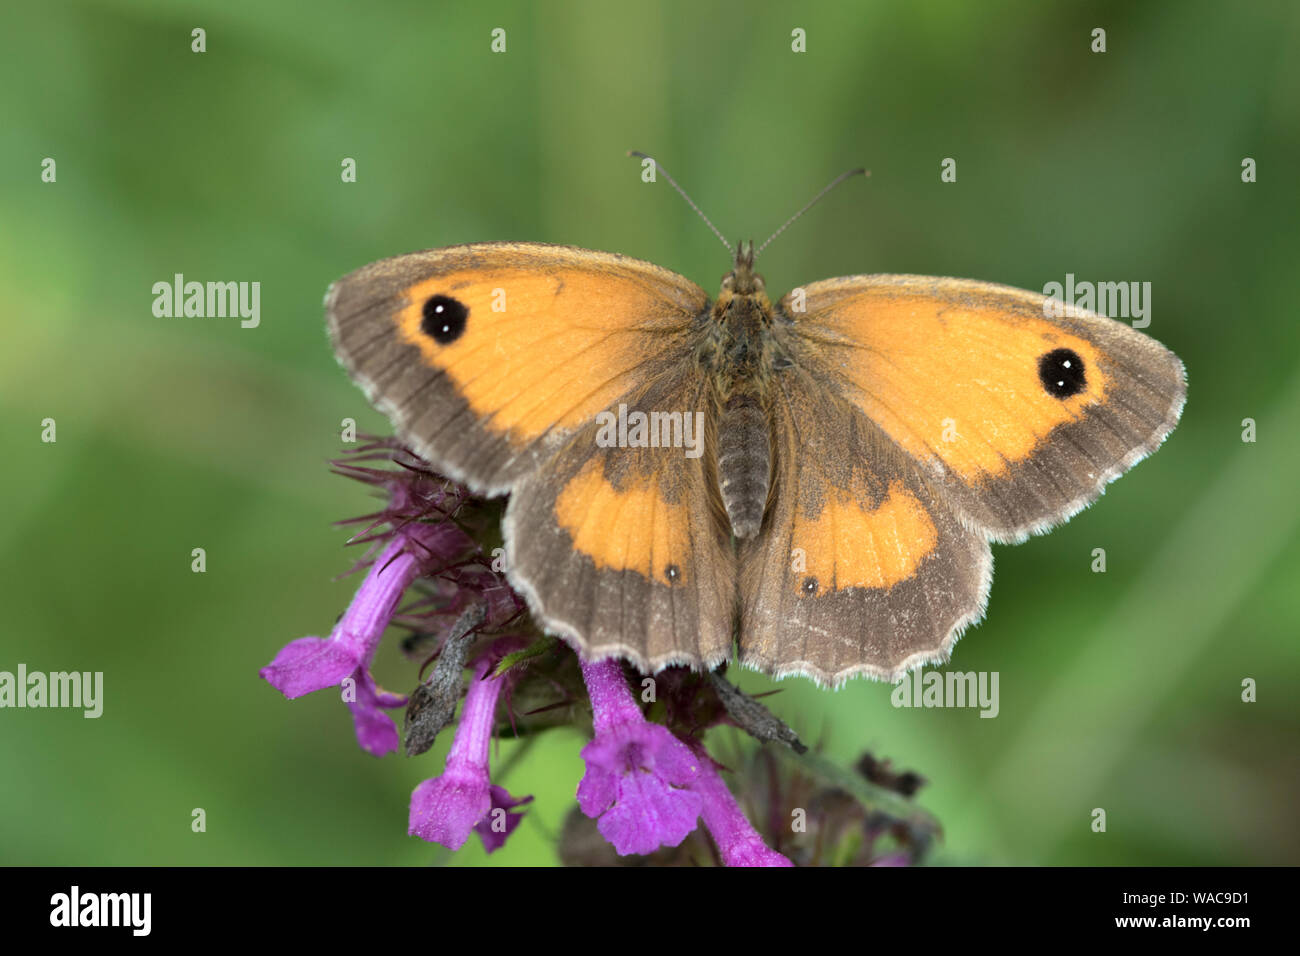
[[859, 568], [488, 357], [623, 550], [1019, 416]]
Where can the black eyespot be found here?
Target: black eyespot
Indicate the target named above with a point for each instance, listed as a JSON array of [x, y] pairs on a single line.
[[809, 586], [672, 573], [444, 319], [1062, 374]]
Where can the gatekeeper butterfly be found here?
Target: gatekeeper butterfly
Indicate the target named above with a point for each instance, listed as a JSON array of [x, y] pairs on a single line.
[[860, 441]]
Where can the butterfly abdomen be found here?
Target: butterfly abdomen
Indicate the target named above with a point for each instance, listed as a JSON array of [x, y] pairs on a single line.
[[738, 350], [744, 462]]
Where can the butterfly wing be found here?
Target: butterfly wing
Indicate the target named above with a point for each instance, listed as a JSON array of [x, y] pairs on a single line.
[[624, 551], [1019, 417], [917, 419], [860, 568], [488, 357], [493, 361]]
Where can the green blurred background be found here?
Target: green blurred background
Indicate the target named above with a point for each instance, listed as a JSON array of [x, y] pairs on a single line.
[[1118, 690]]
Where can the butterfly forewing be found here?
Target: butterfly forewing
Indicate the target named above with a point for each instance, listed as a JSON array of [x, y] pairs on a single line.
[[487, 357]]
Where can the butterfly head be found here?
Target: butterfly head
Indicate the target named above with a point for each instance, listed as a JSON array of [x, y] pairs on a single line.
[[743, 304], [742, 279]]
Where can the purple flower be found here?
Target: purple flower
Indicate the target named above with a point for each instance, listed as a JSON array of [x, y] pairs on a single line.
[[737, 840], [638, 779], [447, 808], [314, 663]]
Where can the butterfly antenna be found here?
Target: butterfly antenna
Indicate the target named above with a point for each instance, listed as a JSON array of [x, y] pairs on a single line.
[[659, 169], [835, 182]]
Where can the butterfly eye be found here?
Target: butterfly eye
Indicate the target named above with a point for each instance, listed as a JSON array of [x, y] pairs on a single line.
[[444, 319], [672, 573], [809, 586], [1062, 374]]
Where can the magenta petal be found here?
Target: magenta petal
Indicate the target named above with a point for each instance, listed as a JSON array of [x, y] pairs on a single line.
[[754, 853], [597, 791], [737, 840], [635, 785], [376, 732], [445, 809], [375, 695], [649, 814], [308, 664], [496, 827], [386, 698]]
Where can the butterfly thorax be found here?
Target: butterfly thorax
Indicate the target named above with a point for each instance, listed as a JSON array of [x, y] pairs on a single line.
[[737, 346], [738, 352]]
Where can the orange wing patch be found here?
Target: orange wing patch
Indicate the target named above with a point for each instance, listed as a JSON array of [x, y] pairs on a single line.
[[541, 348], [630, 528], [953, 380], [849, 544]]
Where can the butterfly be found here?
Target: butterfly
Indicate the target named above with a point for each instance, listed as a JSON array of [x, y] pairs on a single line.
[[809, 485]]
